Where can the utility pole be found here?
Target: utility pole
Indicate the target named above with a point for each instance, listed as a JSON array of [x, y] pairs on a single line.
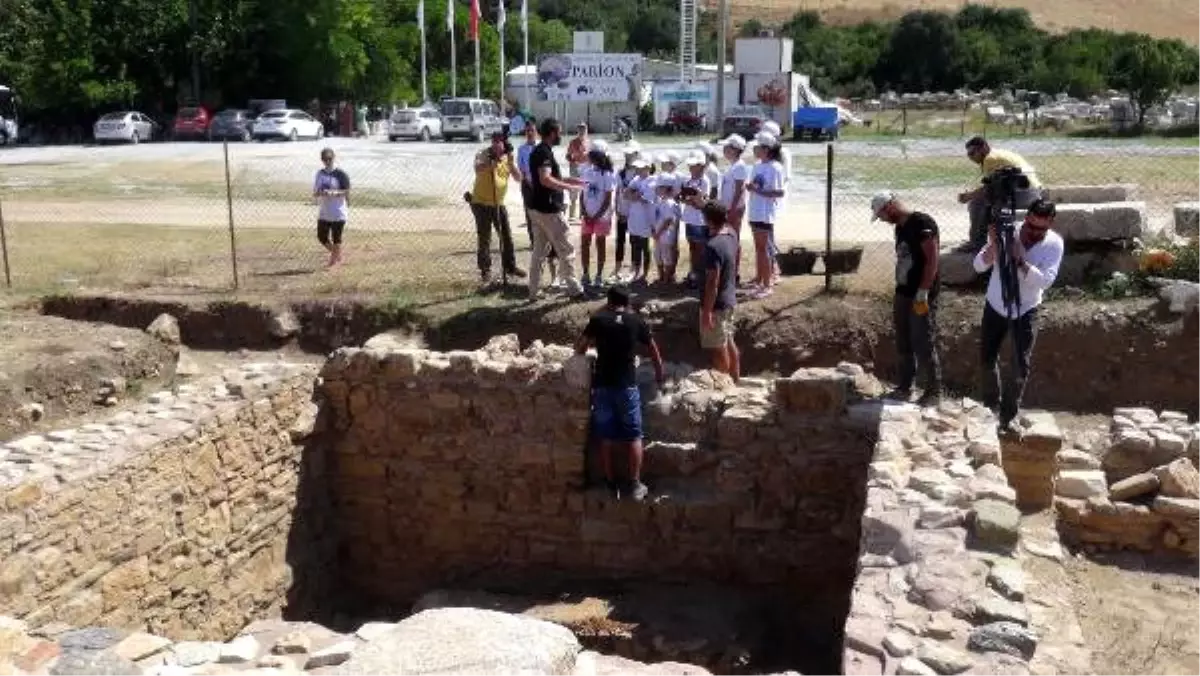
[[722, 25], [193, 22]]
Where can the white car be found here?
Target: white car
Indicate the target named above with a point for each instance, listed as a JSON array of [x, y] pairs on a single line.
[[415, 123], [125, 126], [287, 124]]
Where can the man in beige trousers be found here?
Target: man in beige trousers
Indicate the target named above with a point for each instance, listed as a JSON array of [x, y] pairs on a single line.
[[546, 210]]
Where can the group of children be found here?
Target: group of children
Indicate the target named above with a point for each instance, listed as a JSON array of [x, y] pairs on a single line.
[[656, 198]]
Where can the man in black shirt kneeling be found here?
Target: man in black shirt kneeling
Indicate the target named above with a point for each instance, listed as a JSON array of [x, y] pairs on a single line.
[[914, 310], [616, 332]]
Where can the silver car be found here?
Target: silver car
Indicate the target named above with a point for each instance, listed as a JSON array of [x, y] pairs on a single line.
[[125, 126], [415, 123]]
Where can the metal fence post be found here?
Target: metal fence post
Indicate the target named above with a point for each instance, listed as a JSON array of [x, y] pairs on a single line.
[[229, 206], [828, 212], [4, 247], [962, 132]]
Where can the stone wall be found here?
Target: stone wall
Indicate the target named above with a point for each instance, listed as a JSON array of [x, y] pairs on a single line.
[[1142, 492], [173, 517], [465, 466]]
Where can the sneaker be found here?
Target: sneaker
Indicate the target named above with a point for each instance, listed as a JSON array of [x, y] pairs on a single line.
[[518, 273], [760, 293], [485, 280], [586, 281], [638, 491], [1008, 430]]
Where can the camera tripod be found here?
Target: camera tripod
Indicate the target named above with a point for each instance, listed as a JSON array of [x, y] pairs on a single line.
[[1010, 285]]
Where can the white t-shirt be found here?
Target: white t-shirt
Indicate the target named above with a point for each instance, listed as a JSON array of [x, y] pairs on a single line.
[[767, 176], [599, 185], [641, 213], [738, 171], [786, 156], [622, 184], [713, 174], [332, 207], [667, 209], [690, 214]]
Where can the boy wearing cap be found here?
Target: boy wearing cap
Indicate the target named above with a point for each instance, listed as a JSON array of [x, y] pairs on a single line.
[[914, 308], [624, 177], [640, 194], [732, 194], [693, 195], [711, 172], [666, 229]]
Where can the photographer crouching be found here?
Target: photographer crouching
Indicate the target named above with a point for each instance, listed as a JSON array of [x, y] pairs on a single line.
[[992, 161], [1023, 264], [493, 167]]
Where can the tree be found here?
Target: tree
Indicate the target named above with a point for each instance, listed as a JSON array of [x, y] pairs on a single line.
[[924, 53], [1149, 71]]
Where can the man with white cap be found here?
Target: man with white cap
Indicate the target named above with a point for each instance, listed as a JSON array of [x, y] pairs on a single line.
[[914, 308], [625, 176]]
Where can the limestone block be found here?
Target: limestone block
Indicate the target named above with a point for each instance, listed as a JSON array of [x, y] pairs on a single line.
[[1187, 219], [956, 268], [1179, 479], [1112, 221], [820, 391], [467, 641], [1091, 194], [1080, 483], [1134, 486], [995, 524], [165, 328]]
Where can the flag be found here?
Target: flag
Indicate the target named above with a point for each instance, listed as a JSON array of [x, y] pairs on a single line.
[[473, 29], [450, 15], [501, 19]]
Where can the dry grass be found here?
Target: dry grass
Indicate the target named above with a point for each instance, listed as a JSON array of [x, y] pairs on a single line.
[[1160, 18]]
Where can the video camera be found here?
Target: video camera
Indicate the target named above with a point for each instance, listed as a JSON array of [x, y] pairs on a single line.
[[1000, 191]]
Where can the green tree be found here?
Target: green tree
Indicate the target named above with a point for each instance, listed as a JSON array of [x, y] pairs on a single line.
[[1149, 70]]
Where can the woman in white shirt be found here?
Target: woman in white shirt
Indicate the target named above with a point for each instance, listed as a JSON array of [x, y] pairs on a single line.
[[597, 212], [766, 194], [732, 186]]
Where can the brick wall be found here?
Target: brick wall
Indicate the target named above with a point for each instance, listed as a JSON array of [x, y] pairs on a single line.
[[174, 517], [451, 467]]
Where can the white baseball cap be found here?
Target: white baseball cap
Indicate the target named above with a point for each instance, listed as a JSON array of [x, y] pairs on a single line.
[[772, 128], [639, 163], [600, 144], [633, 147], [764, 138], [879, 201], [734, 140], [672, 156], [694, 160]]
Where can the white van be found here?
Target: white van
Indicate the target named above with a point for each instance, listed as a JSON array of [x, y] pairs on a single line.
[[476, 119]]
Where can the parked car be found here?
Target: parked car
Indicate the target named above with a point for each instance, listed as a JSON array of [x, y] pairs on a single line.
[[745, 121], [125, 126], [416, 123], [259, 106], [191, 123], [232, 124], [683, 121], [474, 119], [290, 124]]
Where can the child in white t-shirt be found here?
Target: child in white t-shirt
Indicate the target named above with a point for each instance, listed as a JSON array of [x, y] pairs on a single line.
[[666, 229], [641, 199], [732, 193], [694, 192], [597, 212], [766, 195]]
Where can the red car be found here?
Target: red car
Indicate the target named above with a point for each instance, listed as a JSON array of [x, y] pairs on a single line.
[[192, 123]]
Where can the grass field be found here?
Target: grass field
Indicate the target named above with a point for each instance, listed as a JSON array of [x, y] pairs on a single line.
[[1160, 18]]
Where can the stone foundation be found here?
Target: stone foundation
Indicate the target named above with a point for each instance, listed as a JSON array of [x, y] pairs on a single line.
[[1029, 459], [174, 517], [1142, 493]]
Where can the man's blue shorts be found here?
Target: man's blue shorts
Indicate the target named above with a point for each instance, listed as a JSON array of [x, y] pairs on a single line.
[[696, 233], [617, 413]]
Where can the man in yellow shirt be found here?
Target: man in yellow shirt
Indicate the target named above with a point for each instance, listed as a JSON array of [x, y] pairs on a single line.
[[991, 160], [494, 166]]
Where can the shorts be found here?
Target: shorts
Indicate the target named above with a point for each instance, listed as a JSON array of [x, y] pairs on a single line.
[[759, 226], [721, 333], [600, 227], [696, 233], [664, 249], [328, 231], [617, 413]]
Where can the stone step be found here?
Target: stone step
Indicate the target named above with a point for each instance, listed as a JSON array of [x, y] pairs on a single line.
[[1091, 194], [664, 460]]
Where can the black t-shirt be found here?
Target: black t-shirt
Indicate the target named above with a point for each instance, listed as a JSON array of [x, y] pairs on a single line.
[[910, 256], [543, 199], [616, 336], [720, 253]]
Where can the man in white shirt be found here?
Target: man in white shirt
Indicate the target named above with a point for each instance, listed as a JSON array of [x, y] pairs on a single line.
[[1037, 251]]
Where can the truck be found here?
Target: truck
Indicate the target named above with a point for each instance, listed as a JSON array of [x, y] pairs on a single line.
[[8, 116], [815, 123]]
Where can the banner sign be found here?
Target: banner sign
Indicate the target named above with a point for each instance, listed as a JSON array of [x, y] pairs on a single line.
[[589, 77], [684, 93]]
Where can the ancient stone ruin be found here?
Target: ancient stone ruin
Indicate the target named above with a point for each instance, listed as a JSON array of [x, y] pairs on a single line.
[[424, 511]]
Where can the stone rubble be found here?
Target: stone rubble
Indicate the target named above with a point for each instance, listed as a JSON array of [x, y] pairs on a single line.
[[937, 584], [1145, 495]]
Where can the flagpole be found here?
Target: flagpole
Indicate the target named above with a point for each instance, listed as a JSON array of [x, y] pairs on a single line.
[[453, 49], [525, 39], [424, 75], [477, 67], [503, 20]]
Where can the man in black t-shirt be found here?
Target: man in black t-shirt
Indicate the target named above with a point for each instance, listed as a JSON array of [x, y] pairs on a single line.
[[546, 210], [720, 291], [914, 309], [616, 333]]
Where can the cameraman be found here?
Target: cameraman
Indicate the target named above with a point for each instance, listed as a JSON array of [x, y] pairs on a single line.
[[990, 161], [493, 167], [1036, 252]]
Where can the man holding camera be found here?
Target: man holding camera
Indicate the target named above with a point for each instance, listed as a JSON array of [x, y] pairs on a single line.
[[493, 167], [914, 308], [1034, 255], [992, 160]]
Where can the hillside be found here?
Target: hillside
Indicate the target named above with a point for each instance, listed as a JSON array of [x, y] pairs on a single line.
[[1159, 18]]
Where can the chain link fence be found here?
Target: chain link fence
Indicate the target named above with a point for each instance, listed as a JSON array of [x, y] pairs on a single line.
[[178, 218]]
